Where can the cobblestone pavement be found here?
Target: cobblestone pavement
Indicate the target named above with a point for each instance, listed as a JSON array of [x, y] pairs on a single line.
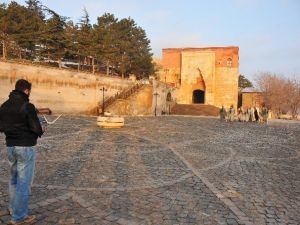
[[164, 170]]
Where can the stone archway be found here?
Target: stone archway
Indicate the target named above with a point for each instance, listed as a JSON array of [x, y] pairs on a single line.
[[198, 96]]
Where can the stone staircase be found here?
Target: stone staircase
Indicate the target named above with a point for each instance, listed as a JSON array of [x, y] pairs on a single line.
[[123, 95], [195, 110]]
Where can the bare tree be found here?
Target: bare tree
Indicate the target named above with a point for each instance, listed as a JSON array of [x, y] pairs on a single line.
[[293, 93], [282, 95]]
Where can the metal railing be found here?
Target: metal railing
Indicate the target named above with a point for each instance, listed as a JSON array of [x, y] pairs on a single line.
[[123, 95]]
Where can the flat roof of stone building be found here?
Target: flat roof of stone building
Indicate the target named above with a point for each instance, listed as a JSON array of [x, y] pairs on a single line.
[[201, 48]]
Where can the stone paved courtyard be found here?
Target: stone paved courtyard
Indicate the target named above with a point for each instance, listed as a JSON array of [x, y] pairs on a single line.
[[164, 170]]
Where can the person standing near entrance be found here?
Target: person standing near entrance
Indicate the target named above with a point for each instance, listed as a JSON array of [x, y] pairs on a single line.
[[231, 113], [222, 113], [256, 113], [247, 114], [20, 123], [252, 116], [264, 114]]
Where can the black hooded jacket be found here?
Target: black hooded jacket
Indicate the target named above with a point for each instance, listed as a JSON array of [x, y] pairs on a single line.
[[19, 120]]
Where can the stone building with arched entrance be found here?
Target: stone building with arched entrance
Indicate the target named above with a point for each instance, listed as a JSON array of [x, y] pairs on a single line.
[[202, 75]]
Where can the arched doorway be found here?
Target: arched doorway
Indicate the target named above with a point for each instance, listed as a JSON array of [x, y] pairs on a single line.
[[198, 97]]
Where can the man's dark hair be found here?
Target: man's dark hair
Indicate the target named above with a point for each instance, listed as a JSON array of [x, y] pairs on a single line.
[[22, 85]]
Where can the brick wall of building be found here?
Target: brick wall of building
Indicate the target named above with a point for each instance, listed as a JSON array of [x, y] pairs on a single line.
[[214, 70], [250, 99]]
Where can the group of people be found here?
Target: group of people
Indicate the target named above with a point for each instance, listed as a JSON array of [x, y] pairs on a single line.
[[252, 114]]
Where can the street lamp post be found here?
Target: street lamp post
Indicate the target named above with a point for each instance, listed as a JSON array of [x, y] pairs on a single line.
[[103, 90], [155, 94]]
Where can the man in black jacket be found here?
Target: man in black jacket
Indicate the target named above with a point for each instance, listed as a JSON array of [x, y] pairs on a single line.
[[20, 123]]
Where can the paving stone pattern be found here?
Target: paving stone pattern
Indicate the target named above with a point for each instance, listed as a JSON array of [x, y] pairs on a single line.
[[164, 170]]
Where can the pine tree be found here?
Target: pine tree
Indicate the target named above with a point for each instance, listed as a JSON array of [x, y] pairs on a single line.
[[72, 48], [36, 30], [134, 50], [244, 82], [141, 59], [53, 38], [125, 45], [3, 29], [36, 6], [105, 40], [20, 27], [85, 39], [122, 45]]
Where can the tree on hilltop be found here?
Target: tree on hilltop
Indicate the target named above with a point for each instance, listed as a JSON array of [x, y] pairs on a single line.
[[142, 57], [3, 30], [72, 46], [85, 38], [53, 39], [20, 26], [36, 6], [105, 40], [34, 31], [123, 46], [244, 82]]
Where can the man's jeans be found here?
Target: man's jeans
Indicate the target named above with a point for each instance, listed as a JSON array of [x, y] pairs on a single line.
[[22, 163]]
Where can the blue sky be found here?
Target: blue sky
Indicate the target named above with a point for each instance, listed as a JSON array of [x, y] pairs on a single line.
[[266, 31]]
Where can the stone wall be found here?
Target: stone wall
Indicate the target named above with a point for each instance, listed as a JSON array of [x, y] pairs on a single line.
[[226, 87], [138, 104], [197, 72], [63, 91], [171, 64], [250, 99], [212, 70]]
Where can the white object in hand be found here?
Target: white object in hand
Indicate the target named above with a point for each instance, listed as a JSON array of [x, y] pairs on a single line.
[[51, 122]]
